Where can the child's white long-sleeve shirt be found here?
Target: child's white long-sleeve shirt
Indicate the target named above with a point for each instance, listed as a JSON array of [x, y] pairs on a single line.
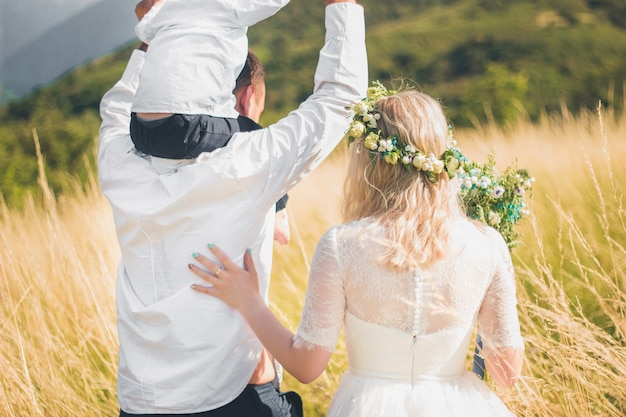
[[197, 50]]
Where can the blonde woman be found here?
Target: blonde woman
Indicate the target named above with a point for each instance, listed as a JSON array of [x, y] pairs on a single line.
[[408, 277]]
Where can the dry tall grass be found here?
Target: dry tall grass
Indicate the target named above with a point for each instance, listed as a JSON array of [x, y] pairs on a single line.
[[58, 342], [57, 265]]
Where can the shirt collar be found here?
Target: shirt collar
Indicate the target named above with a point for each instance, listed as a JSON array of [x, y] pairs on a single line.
[[167, 166]]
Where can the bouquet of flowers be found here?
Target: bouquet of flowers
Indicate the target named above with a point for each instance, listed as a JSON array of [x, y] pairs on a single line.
[[493, 198]]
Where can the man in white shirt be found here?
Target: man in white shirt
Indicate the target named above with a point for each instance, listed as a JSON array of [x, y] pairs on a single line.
[[181, 352]]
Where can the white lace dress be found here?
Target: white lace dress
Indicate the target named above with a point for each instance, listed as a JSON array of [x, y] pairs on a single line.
[[407, 335]]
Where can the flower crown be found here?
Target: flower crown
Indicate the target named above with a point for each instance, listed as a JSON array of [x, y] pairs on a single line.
[[364, 128], [487, 196]]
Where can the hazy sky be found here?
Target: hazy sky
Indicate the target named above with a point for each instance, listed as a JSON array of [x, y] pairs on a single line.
[[41, 40], [23, 20]]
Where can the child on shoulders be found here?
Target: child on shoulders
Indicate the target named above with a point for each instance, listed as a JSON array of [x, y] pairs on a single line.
[[184, 104]]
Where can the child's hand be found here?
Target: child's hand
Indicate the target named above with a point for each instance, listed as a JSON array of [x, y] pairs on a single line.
[[143, 7]]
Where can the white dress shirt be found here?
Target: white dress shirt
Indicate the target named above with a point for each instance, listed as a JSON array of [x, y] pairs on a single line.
[[197, 50], [182, 351]]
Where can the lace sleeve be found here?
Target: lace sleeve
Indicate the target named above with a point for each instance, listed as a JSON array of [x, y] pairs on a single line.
[[498, 322], [324, 306]]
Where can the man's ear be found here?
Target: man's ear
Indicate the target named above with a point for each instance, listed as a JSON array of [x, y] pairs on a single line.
[[244, 100]]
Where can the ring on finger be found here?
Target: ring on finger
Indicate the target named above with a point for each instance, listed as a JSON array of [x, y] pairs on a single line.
[[217, 273]]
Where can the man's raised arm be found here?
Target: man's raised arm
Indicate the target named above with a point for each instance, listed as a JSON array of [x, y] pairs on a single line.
[[288, 150], [116, 103]]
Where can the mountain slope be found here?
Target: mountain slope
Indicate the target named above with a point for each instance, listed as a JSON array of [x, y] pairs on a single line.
[[22, 21], [96, 30], [484, 59]]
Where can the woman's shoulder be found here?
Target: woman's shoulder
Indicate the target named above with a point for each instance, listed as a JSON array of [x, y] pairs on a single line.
[[469, 233], [356, 228], [476, 229], [352, 232]]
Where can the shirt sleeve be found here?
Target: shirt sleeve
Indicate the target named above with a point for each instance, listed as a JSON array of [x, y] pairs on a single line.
[[324, 307], [498, 321], [269, 162], [144, 29], [115, 113], [251, 12]]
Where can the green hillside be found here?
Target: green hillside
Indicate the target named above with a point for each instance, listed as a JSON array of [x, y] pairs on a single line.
[[485, 59]]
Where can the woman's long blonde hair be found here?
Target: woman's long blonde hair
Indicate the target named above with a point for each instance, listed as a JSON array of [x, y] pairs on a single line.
[[416, 213]]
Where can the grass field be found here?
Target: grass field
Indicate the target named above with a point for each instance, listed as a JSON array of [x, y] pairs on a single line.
[[58, 258]]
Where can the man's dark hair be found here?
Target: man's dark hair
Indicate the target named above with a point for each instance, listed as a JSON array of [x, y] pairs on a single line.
[[252, 73]]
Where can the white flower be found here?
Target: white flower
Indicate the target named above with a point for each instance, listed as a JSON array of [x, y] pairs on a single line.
[[418, 161], [493, 218], [410, 149], [497, 192], [485, 182], [387, 144], [437, 165], [370, 120], [429, 163], [406, 159], [520, 191], [467, 183]]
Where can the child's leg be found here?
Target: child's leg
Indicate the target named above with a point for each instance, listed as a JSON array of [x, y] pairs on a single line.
[[162, 137], [210, 133], [181, 136]]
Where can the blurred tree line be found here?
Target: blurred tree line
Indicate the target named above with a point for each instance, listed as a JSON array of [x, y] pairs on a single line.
[[486, 60]]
